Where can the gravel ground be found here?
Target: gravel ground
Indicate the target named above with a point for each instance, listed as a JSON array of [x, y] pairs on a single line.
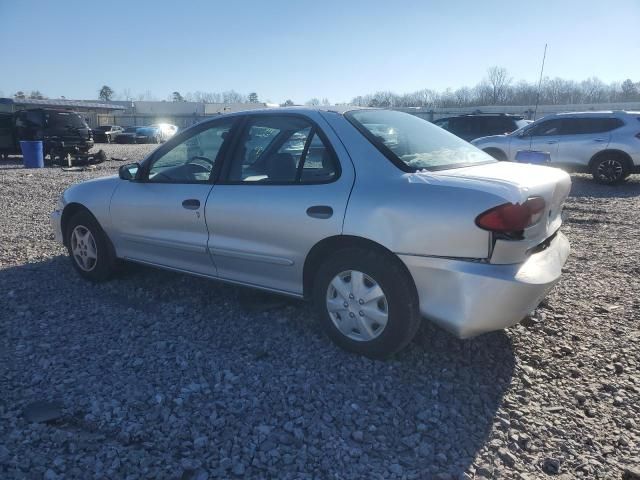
[[161, 375]]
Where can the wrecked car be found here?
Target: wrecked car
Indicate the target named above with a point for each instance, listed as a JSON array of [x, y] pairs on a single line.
[[379, 217]]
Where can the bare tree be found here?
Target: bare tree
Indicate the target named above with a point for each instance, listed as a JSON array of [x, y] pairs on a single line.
[[106, 93], [287, 103], [499, 80], [313, 102], [629, 90]]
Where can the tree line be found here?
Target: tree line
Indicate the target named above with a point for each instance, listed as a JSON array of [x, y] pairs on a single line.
[[499, 88]]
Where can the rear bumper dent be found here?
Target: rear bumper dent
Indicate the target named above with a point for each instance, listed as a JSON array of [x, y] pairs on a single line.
[[468, 298]]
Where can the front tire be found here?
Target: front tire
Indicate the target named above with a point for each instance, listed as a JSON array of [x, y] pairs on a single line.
[[610, 169], [89, 248], [366, 302]]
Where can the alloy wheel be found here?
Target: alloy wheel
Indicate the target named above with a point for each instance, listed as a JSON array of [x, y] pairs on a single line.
[[610, 170], [83, 248], [357, 305]]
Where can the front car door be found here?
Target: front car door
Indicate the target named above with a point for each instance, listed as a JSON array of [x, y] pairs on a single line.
[[285, 188], [541, 137], [160, 217]]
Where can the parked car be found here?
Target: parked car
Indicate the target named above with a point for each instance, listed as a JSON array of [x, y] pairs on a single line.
[[61, 131], [139, 135], [106, 133], [605, 144], [166, 130], [378, 230], [469, 127]]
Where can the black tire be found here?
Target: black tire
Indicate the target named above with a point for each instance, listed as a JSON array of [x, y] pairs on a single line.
[[105, 262], [402, 302], [610, 169]]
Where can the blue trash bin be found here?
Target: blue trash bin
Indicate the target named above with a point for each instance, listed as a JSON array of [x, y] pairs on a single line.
[[32, 153]]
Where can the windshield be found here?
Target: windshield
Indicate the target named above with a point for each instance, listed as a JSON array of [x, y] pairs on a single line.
[[65, 119], [131, 129], [413, 143]]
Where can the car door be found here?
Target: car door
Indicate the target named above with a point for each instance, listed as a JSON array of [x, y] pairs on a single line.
[[539, 137], [160, 217], [285, 187], [583, 137]]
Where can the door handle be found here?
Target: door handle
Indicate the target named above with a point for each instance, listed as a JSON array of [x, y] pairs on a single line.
[[598, 140], [551, 142], [320, 211], [191, 204]]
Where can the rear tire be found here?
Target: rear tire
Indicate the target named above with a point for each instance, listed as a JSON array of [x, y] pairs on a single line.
[[610, 169], [381, 316], [89, 247]]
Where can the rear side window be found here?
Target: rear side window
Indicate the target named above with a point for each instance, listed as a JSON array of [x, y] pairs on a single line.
[[582, 126], [412, 143], [282, 150]]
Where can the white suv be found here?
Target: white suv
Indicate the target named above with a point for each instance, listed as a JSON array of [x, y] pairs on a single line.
[[606, 144]]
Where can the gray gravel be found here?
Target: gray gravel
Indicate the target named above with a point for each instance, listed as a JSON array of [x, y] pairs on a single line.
[[161, 375]]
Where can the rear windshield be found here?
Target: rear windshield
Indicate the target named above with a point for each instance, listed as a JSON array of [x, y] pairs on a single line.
[[413, 143], [65, 119]]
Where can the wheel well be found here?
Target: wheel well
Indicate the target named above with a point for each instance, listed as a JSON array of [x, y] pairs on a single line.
[[495, 153], [69, 211], [329, 245], [619, 153]]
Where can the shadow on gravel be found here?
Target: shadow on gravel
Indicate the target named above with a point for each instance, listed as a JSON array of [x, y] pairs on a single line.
[[584, 186], [186, 357]]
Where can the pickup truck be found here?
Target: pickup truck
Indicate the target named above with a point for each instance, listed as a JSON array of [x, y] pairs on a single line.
[[61, 131]]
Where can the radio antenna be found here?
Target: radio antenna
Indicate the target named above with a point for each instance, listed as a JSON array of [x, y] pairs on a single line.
[[544, 57]]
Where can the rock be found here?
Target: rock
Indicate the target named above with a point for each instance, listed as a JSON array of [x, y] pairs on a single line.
[[396, 469], [238, 469], [226, 463], [631, 473], [618, 368], [43, 411], [357, 435], [507, 457], [551, 465]]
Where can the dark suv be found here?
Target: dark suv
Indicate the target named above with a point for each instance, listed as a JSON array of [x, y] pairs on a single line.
[[470, 127], [61, 131]]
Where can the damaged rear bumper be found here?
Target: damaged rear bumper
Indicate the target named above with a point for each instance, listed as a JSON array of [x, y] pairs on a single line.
[[469, 298]]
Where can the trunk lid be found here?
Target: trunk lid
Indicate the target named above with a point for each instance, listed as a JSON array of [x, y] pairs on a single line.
[[515, 183]]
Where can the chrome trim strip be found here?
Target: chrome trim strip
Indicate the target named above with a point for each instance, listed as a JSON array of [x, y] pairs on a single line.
[[216, 278], [163, 243], [257, 257]]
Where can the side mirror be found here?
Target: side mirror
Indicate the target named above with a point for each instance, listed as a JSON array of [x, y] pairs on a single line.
[[128, 172]]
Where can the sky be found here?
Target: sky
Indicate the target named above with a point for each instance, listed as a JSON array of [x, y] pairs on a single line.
[[301, 49]]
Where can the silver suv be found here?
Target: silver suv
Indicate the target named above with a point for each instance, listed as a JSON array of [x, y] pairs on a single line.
[[605, 144]]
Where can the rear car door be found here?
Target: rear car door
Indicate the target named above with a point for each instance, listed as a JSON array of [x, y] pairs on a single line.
[[285, 187], [583, 137], [160, 217]]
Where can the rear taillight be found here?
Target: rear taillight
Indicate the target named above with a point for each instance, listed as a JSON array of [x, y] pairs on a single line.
[[511, 218]]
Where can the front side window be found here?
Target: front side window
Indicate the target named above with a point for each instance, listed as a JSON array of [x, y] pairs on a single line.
[[544, 129], [281, 150], [413, 143], [192, 160]]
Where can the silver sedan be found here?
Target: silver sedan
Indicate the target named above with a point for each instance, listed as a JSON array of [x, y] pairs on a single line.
[[379, 217]]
